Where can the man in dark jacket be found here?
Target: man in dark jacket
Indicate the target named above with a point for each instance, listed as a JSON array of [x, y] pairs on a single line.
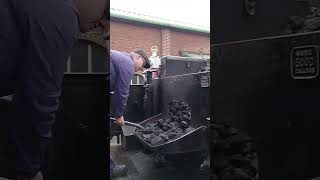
[[36, 38], [122, 68]]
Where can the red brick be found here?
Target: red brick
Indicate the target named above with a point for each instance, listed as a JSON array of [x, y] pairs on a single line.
[[129, 37]]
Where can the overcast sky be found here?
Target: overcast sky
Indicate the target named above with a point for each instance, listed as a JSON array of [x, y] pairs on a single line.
[[193, 12]]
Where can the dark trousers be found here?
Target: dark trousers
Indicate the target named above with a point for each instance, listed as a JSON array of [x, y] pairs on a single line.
[[36, 38]]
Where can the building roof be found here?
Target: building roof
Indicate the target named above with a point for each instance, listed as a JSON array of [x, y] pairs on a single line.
[[194, 54], [136, 17]]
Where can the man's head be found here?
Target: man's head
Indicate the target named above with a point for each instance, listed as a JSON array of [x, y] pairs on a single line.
[[140, 60]]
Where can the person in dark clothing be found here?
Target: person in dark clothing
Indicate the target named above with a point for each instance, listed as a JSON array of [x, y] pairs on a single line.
[[36, 38], [122, 68]]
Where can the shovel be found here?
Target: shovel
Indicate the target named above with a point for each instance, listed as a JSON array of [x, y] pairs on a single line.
[[143, 130], [131, 124]]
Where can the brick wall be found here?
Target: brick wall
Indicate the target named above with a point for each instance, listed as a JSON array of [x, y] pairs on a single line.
[[166, 41], [128, 37], [189, 42]]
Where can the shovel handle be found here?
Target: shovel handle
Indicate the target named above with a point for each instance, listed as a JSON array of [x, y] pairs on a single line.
[[130, 123]]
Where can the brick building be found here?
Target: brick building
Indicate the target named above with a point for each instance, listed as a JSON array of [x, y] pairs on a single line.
[[130, 31]]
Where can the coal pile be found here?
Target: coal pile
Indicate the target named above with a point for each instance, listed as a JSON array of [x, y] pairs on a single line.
[[308, 23], [164, 130], [234, 154]]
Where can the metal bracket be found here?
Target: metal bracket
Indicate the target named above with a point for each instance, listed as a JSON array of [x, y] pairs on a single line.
[[305, 62], [188, 63], [250, 6], [205, 80]]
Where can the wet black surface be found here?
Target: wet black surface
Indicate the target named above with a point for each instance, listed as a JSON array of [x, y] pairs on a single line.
[[142, 167]]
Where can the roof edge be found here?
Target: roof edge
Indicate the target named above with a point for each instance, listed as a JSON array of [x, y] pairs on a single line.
[[165, 23]]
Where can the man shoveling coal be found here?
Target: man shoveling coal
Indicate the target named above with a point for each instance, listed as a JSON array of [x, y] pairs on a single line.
[[122, 68]]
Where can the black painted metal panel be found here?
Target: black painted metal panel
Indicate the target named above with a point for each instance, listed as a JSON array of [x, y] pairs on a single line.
[[188, 88], [231, 22], [175, 65], [255, 90]]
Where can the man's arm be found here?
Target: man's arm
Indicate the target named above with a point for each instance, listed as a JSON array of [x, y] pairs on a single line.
[[121, 93]]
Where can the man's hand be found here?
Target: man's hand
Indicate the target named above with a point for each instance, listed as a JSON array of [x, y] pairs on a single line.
[[120, 121]]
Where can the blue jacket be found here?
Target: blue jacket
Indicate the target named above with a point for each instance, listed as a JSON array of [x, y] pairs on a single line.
[[36, 39], [121, 74]]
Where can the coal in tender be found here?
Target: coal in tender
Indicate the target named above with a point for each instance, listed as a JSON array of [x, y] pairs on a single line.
[[227, 175], [183, 124], [174, 118], [164, 137], [248, 148], [216, 126], [241, 174], [172, 135], [185, 117], [220, 163], [214, 134], [177, 124], [157, 141], [235, 156], [232, 131], [189, 129], [239, 160], [214, 177], [205, 164]]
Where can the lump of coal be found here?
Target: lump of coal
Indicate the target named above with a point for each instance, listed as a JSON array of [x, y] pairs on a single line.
[[164, 137], [181, 103], [241, 174], [239, 138], [177, 136], [171, 125], [160, 122], [251, 171], [214, 177], [220, 163], [185, 117], [205, 164], [158, 132], [227, 175], [189, 129], [214, 134], [174, 118], [238, 160], [157, 141], [248, 148], [146, 136], [183, 124], [178, 130], [232, 131], [171, 135], [173, 102]]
